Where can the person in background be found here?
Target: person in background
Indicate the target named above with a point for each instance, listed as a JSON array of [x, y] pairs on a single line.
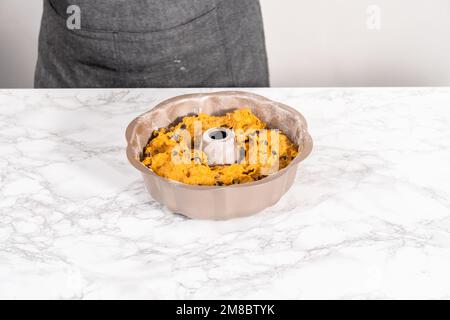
[[152, 43]]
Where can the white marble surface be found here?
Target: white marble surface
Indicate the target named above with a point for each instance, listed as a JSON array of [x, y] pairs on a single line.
[[368, 216]]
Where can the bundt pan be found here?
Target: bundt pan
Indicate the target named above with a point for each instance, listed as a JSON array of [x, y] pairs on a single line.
[[218, 202]]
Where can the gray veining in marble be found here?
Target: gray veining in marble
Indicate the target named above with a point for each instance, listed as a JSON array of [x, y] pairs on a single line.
[[368, 216]]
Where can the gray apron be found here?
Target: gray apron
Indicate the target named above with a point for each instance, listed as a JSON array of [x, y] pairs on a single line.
[[153, 43]]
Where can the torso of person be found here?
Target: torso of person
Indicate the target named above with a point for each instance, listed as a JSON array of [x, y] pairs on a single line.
[[135, 15]]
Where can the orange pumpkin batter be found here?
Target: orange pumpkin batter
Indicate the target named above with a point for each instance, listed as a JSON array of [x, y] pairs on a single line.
[[172, 154]]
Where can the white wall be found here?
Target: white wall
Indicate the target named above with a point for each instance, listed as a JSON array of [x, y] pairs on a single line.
[[19, 29], [310, 42], [327, 43]]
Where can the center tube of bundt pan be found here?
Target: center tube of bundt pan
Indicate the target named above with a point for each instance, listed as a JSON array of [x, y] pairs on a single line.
[[219, 146]]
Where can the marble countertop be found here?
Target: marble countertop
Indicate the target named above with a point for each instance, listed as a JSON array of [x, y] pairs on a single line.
[[367, 217]]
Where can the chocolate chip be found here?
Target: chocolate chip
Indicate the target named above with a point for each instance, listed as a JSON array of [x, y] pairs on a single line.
[[183, 126], [155, 133], [241, 154]]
